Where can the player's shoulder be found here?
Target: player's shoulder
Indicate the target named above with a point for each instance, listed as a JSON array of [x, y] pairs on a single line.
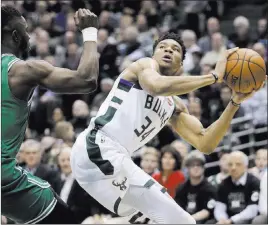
[[148, 63]]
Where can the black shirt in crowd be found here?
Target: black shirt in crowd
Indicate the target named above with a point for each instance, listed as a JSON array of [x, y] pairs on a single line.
[[238, 197], [196, 198]]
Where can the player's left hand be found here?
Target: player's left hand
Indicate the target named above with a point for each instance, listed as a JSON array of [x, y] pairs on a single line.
[[240, 97], [222, 61]]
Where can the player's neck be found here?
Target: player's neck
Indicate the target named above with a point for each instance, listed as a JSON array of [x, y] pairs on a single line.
[[167, 72], [9, 50]]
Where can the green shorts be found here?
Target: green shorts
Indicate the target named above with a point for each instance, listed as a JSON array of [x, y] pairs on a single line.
[[25, 198]]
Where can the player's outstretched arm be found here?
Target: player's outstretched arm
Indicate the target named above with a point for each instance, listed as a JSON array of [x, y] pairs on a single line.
[[82, 80], [191, 129], [157, 85]]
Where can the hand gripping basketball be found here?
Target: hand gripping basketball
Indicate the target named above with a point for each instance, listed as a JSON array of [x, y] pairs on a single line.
[[84, 18], [221, 64]]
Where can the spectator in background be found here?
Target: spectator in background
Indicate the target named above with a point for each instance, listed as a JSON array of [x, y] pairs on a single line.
[[80, 112], [149, 160], [130, 49], [73, 55], [146, 36], [57, 116], [47, 143], [189, 39], [216, 179], [260, 163], [65, 131], [106, 85], [218, 47], [238, 195], [108, 55], [170, 175], [213, 26], [197, 196], [260, 48], [262, 30], [256, 107], [80, 202], [241, 36], [32, 154], [262, 218], [197, 56], [217, 109], [149, 9], [195, 108], [104, 21]]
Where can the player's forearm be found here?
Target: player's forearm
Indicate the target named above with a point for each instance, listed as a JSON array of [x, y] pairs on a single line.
[[88, 68], [179, 85], [216, 131], [201, 215]]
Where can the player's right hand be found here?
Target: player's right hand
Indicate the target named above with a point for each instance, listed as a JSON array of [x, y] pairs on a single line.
[[84, 18], [222, 61]]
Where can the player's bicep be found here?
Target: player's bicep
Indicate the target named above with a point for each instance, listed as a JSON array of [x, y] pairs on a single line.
[[58, 79], [189, 128]]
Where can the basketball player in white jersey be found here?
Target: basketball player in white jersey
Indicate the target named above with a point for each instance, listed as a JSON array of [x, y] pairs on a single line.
[[139, 105]]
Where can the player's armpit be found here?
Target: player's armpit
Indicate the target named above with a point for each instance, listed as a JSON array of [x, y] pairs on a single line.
[[58, 79]]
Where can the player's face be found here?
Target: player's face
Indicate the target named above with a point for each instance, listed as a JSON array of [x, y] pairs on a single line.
[[168, 54], [24, 37], [168, 162]]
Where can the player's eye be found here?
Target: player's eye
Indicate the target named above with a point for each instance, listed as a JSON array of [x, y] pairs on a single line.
[[161, 47]]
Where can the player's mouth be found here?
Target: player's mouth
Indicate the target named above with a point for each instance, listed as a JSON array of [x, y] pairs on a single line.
[[167, 58]]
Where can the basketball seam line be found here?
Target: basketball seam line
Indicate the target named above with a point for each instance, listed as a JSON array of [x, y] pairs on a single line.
[[247, 61], [242, 69], [233, 67], [252, 74]]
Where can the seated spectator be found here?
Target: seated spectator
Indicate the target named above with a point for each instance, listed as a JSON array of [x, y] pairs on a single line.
[[217, 109], [80, 202], [241, 36], [65, 131], [260, 163], [238, 194], [197, 56], [170, 175], [256, 107], [47, 143], [216, 179], [108, 55], [196, 109], [262, 218], [149, 160], [197, 196], [262, 30], [260, 48], [189, 39], [213, 26], [32, 154], [80, 119], [181, 147], [218, 47]]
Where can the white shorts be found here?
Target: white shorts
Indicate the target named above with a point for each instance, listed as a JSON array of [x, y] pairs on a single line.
[[104, 169], [93, 171]]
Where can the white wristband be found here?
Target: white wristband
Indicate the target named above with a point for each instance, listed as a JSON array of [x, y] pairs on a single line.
[[90, 34]]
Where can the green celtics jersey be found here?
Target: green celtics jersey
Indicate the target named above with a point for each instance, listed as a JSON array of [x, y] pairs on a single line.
[[14, 113]]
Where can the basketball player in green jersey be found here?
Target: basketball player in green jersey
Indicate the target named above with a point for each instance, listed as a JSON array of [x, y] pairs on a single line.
[[26, 198]]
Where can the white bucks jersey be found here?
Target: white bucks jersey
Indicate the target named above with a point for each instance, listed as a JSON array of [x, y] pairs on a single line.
[[131, 116]]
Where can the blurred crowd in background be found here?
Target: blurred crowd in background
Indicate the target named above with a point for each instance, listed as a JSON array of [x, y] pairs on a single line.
[[127, 30]]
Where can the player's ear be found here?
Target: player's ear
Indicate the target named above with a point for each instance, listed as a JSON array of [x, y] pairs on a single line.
[[15, 36]]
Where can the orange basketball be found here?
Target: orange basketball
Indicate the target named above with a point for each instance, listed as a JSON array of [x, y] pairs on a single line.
[[245, 71]]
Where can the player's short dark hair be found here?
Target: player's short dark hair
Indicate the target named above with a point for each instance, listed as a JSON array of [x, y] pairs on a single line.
[[174, 37], [8, 13]]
